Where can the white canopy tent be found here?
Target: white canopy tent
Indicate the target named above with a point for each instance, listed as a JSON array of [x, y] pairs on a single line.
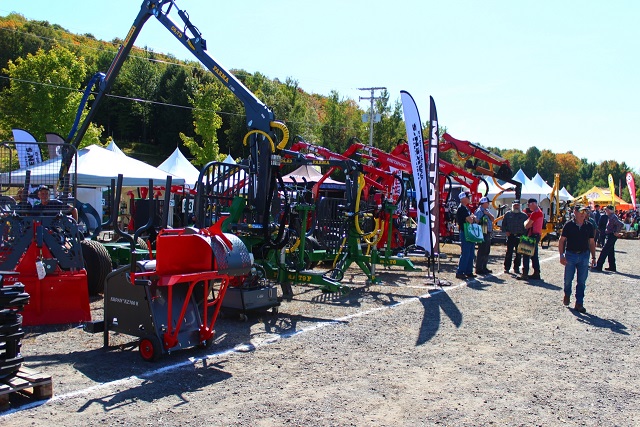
[[178, 165], [542, 183], [564, 194], [113, 147], [96, 167]]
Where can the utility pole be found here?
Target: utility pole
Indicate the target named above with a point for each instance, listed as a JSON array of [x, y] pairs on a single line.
[[371, 115]]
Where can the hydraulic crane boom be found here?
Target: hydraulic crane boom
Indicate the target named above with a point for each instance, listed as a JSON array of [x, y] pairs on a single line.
[[260, 119]]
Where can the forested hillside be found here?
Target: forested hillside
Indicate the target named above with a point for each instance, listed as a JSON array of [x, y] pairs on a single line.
[[159, 102]]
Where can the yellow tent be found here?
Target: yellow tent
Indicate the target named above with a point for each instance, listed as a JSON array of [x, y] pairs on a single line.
[[602, 197]]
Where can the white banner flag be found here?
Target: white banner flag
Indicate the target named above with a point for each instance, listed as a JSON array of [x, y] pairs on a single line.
[[28, 154], [419, 167]]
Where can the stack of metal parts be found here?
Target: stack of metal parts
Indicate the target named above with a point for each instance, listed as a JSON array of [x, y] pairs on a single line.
[[12, 301]]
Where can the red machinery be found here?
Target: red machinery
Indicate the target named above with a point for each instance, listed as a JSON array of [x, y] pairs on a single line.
[[45, 249], [172, 302], [465, 150]]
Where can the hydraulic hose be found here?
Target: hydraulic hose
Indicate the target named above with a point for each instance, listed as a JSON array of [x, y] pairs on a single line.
[[285, 133], [260, 132]]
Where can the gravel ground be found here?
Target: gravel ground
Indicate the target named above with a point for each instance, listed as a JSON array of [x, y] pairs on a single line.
[[491, 351]]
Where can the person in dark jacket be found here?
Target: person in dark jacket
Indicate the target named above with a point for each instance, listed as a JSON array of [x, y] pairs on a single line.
[[611, 232], [467, 249], [602, 225], [513, 227]]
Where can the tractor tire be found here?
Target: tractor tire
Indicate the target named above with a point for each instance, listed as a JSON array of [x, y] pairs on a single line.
[[97, 263]]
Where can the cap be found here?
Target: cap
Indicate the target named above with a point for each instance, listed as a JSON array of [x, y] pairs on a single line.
[[610, 207], [532, 201], [462, 195], [43, 187], [515, 202], [484, 200], [581, 208]]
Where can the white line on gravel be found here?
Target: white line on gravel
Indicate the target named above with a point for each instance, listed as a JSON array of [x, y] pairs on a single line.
[[240, 348]]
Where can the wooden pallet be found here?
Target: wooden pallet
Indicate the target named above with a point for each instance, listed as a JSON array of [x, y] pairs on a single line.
[[28, 383]]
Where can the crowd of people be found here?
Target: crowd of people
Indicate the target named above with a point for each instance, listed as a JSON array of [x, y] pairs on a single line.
[[583, 232]]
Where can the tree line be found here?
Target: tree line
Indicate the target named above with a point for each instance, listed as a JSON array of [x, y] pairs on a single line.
[[158, 102]]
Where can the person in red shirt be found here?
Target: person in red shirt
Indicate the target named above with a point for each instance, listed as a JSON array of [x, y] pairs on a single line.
[[533, 225]]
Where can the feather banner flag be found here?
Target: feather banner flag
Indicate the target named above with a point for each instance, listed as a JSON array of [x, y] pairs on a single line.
[[27, 148], [419, 167], [632, 189], [612, 188], [432, 167]]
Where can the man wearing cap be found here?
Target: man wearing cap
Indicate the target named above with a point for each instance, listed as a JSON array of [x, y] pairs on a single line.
[[485, 219], [575, 245], [611, 233], [467, 249], [533, 225], [513, 227], [48, 206]]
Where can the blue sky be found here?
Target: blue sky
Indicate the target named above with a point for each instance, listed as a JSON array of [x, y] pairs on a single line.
[[561, 75]]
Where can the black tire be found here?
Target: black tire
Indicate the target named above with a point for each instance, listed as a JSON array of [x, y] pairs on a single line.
[[312, 244], [97, 262], [140, 243]]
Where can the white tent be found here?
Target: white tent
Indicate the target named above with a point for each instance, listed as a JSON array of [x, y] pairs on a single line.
[[113, 147], [96, 167], [178, 165], [542, 183], [565, 195], [529, 188], [310, 174]]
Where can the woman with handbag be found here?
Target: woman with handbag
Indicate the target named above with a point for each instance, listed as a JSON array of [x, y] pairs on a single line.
[[465, 218], [533, 225]]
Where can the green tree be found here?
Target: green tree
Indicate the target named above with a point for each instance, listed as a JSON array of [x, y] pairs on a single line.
[[530, 165], [43, 95], [546, 166], [138, 79], [568, 168], [206, 124]]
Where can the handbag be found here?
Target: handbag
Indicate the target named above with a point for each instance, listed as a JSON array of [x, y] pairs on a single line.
[[473, 233], [527, 245]]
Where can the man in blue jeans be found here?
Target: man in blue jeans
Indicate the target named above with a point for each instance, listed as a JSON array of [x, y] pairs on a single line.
[[575, 245], [467, 249]]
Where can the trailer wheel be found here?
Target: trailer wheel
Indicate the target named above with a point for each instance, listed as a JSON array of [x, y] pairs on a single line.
[[150, 348], [97, 262]]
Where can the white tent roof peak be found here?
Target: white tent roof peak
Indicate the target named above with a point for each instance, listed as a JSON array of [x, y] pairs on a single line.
[[113, 147], [521, 177], [178, 165], [564, 194], [541, 183]]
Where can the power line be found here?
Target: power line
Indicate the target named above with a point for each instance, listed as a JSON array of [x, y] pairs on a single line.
[[147, 101], [180, 64]]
